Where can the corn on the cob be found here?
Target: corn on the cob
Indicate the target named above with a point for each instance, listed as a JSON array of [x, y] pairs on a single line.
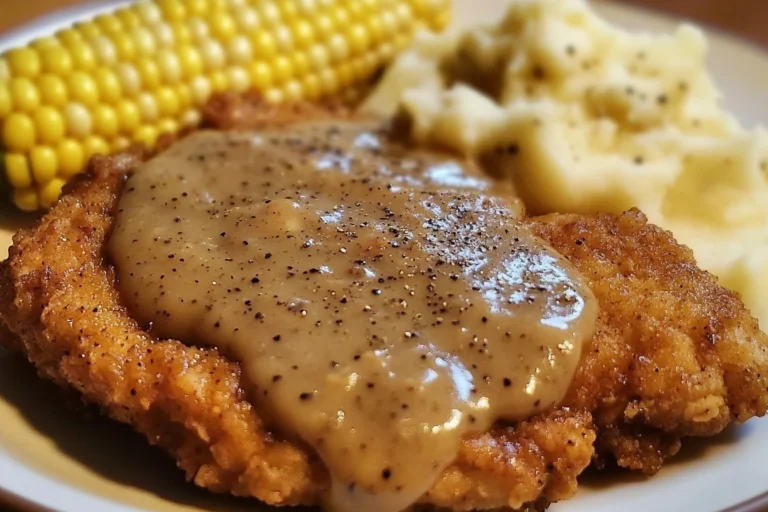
[[146, 69]]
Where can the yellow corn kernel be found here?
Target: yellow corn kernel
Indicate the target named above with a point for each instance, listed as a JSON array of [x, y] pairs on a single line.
[[386, 52], [120, 144], [147, 107], [198, 29], [197, 7], [172, 9], [83, 89], [82, 55], [43, 43], [300, 64], [184, 95], [167, 126], [274, 95], [170, 69], [6, 106], [212, 54], [68, 36], [345, 74], [18, 132], [148, 12], [182, 34], [24, 94], [283, 38], [303, 33], [191, 118], [108, 85], [78, 120], [17, 170], [340, 16], [44, 163], [50, 192], [93, 145], [247, 18], [358, 39], [130, 81], [319, 57], [167, 102], [23, 62], [323, 26], [269, 13], [25, 199], [144, 41], [261, 75], [293, 90], [56, 60], [105, 122], [357, 68], [129, 18], [404, 13], [49, 125], [149, 73], [104, 49], [222, 25], [239, 50], [311, 86], [288, 10], [128, 116], [238, 79], [109, 23], [200, 90], [338, 48], [146, 134], [71, 158], [329, 82], [282, 70], [264, 45], [88, 29], [190, 61], [375, 29], [218, 81], [163, 34], [125, 47]]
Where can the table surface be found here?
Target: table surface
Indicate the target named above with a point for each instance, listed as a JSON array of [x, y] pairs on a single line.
[[747, 18]]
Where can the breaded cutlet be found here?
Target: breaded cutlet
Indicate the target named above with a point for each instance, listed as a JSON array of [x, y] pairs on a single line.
[[674, 355]]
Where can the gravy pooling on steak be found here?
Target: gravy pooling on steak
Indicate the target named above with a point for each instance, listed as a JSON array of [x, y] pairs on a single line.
[[383, 302]]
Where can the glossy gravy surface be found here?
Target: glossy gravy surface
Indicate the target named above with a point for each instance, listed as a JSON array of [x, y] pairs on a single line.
[[383, 302]]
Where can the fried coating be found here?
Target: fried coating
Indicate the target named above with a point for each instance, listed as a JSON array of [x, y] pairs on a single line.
[[59, 297], [675, 354]]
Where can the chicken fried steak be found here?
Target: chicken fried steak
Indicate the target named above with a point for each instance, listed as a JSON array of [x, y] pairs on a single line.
[[673, 354]]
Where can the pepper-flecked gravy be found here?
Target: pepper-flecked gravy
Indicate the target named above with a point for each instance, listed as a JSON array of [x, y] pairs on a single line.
[[383, 301]]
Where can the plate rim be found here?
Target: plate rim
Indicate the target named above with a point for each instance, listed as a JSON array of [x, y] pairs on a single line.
[[63, 17]]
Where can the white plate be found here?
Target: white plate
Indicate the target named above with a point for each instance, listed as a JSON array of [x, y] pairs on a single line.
[[52, 458]]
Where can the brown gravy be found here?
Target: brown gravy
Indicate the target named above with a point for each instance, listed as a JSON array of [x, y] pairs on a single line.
[[383, 302]]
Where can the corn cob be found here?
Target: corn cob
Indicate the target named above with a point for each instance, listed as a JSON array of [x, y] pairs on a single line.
[[146, 69]]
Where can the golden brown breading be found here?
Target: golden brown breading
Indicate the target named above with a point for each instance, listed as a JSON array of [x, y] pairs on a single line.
[[674, 355], [58, 295]]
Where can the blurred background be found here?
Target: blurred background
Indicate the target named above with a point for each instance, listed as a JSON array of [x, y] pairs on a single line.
[[748, 18]]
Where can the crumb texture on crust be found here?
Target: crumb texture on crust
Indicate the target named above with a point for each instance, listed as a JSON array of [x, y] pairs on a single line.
[[675, 354], [59, 297]]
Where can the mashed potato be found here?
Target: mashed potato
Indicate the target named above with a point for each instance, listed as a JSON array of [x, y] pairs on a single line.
[[585, 117]]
